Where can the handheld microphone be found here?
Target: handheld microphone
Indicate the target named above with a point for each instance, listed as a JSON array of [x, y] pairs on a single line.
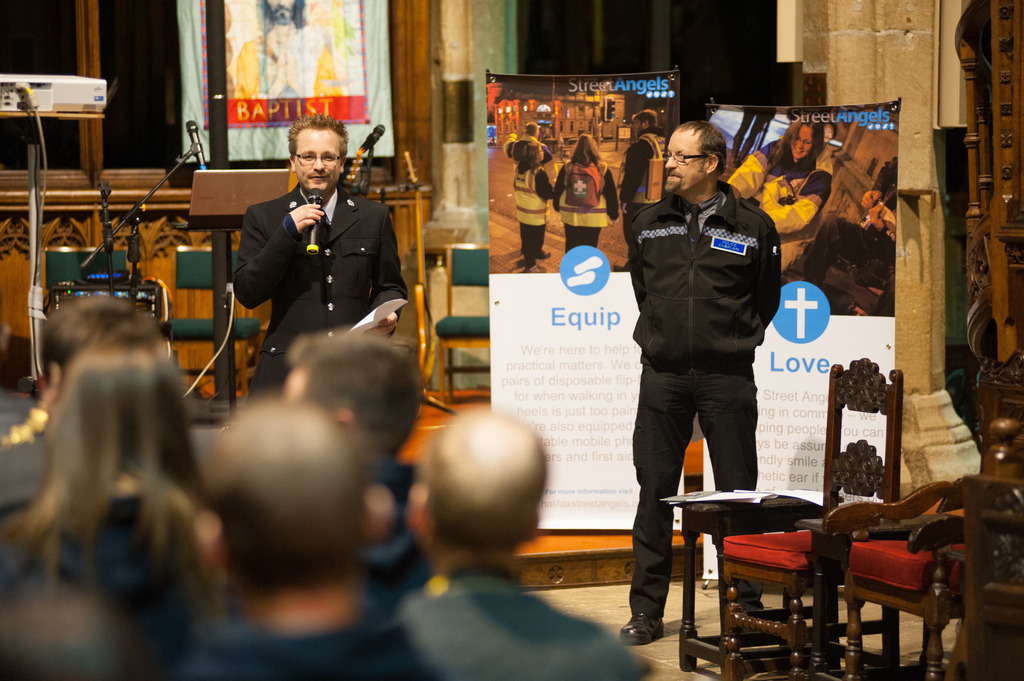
[[316, 197], [372, 138], [197, 146]]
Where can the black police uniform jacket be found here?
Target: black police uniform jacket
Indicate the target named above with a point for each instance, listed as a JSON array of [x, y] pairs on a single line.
[[357, 269], [703, 305]]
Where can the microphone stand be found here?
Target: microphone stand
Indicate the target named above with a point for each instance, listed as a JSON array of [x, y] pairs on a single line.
[[361, 187], [133, 214], [108, 235]]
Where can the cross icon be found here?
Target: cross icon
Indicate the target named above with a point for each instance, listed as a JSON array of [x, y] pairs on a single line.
[[801, 305], [579, 187]]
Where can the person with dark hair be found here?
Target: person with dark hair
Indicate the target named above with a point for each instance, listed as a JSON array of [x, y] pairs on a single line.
[[705, 271], [584, 195], [78, 325], [117, 503], [372, 388], [533, 191], [476, 499], [864, 249], [635, 181], [785, 179], [287, 514], [315, 288]]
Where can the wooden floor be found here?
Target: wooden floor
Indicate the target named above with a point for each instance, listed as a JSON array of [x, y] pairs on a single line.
[[555, 557]]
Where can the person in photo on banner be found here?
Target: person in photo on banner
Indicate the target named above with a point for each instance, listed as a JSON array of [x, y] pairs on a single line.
[[785, 179], [862, 255], [289, 59], [352, 267], [635, 189], [585, 195], [533, 191], [705, 269], [514, 146]]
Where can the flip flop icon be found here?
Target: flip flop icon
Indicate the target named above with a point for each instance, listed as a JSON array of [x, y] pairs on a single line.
[[585, 273]]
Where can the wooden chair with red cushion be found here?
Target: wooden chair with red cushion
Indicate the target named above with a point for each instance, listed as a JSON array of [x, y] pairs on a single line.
[[915, 575], [787, 559]]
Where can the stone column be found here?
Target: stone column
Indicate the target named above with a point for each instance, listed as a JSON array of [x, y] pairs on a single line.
[[880, 50]]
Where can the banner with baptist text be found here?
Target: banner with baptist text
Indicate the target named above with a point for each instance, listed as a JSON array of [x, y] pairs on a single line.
[[288, 58], [828, 178], [562, 305]]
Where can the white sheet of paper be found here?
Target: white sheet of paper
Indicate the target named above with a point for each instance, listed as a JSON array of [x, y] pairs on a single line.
[[377, 314]]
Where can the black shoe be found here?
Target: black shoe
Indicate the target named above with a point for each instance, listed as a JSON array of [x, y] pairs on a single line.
[[544, 255], [641, 630]]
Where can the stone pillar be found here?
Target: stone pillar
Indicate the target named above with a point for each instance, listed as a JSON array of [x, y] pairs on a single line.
[[472, 38], [880, 50]]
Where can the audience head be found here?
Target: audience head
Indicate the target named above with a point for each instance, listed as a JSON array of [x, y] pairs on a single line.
[[479, 487], [94, 321], [532, 129], [119, 428], [286, 493], [370, 385]]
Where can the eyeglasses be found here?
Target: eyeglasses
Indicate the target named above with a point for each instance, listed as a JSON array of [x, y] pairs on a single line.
[[683, 159], [310, 159]]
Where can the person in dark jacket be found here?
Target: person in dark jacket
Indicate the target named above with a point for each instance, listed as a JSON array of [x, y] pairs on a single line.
[[355, 268], [372, 388], [705, 271], [116, 506], [287, 513]]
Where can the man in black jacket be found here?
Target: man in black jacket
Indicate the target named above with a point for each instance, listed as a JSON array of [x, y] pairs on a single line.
[[705, 270], [355, 268]]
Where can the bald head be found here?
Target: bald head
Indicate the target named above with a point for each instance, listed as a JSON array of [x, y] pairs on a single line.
[[289, 490], [484, 476]]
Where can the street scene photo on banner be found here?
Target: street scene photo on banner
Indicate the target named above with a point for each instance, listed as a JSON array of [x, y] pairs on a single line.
[[827, 177], [570, 160]]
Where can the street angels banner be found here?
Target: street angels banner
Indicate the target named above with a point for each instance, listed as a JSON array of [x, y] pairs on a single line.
[[565, 155], [288, 58], [827, 176]]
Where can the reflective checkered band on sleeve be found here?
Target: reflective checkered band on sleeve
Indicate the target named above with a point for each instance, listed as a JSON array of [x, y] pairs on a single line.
[[674, 230]]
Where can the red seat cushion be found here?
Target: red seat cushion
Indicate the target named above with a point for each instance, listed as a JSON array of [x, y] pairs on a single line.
[[786, 550], [888, 561]]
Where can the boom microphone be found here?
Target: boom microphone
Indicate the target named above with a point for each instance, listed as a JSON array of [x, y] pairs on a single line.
[[372, 138], [197, 146], [315, 196]]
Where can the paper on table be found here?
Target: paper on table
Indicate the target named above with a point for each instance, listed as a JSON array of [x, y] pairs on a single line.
[[815, 496], [743, 496], [377, 314]]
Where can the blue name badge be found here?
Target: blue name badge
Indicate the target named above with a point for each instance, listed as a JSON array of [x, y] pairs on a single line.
[[729, 246]]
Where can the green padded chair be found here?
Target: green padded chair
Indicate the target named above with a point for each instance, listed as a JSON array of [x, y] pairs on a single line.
[[194, 276], [466, 265]]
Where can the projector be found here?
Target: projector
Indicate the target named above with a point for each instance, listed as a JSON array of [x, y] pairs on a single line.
[[52, 94]]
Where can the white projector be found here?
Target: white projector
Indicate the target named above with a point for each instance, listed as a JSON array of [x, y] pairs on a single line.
[[52, 94]]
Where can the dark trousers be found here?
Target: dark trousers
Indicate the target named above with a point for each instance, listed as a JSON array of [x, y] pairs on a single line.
[[532, 237], [581, 236], [725, 404]]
